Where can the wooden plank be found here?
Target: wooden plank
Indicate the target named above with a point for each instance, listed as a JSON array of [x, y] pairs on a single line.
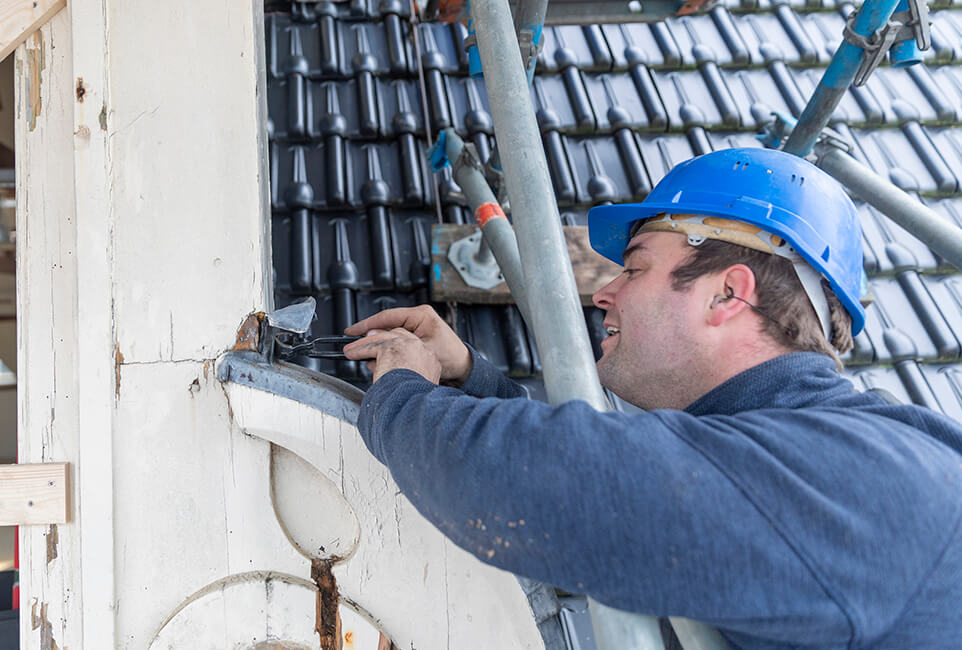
[[33, 494], [592, 271], [21, 18]]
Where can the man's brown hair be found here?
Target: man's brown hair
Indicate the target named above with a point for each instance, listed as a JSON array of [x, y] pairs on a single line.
[[792, 320]]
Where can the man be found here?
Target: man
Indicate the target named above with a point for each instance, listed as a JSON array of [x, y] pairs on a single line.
[[758, 492]]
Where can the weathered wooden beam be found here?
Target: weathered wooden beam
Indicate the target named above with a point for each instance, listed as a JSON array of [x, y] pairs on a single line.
[[592, 271], [21, 18], [33, 494]]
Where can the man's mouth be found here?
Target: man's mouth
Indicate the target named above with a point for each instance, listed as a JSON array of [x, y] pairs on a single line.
[[612, 330]]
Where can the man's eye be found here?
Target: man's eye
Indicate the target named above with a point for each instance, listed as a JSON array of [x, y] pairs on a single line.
[[631, 272]]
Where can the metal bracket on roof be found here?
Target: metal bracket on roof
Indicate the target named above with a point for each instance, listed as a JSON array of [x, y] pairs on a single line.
[[472, 258]]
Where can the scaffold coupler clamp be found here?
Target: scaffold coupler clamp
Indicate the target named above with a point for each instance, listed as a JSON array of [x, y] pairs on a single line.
[[438, 156], [529, 48], [781, 127], [911, 23]]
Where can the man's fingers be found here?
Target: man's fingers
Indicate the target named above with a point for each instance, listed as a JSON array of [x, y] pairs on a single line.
[[367, 348], [384, 320]]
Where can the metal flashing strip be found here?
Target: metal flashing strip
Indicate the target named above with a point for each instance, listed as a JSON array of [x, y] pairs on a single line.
[[325, 393]]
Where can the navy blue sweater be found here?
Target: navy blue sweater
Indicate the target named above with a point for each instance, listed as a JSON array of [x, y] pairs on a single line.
[[783, 507]]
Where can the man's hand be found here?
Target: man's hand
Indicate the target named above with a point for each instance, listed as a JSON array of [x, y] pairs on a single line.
[[398, 348], [421, 323]]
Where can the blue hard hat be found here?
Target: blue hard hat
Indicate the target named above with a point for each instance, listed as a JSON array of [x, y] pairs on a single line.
[[776, 191]]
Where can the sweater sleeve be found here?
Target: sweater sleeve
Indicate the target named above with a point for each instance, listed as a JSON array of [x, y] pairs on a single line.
[[615, 506], [487, 381]]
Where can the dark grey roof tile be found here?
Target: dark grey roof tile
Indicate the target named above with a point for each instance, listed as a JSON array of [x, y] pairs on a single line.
[[808, 51], [440, 111], [765, 38], [596, 164], [559, 167], [942, 94], [459, 32], [470, 110], [948, 145], [892, 246], [946, 40], [913, 377], [633, 43], [567, 45], [663, 152], [884, 378], [698, 40], [938, 327], [365, 47], [617, 103], [439, 50], [350, 108], [824, 30], [325, 40], [318, 42], [945, 382], [687, 99], [895, 330], [301, 176], [757, 93], [399, 103], [948, 81], [551, 105], [731, 35], [410, 241], [484, 326]]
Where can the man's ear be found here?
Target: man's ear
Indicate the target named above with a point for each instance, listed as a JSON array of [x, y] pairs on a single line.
[[737, 281]]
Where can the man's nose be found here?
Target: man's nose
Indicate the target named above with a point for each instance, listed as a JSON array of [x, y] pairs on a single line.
[[602, 297]]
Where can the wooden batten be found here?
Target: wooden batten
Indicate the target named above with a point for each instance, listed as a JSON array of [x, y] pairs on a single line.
[[21, 18], [33, 494]]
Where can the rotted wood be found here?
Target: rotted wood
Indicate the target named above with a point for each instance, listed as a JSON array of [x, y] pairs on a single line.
[[592, 271]]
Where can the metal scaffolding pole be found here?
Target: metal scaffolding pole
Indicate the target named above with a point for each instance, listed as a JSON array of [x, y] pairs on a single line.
[[837, 78], [936, 232], [569, 366], [498, 233], [551, 293]]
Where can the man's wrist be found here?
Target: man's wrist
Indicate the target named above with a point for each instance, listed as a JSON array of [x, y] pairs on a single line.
[[457, 379]]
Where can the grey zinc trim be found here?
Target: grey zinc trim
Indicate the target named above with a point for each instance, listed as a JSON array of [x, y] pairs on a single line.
[[325, 393]]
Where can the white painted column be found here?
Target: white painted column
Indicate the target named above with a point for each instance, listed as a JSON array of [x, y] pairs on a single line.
[[145, 239]]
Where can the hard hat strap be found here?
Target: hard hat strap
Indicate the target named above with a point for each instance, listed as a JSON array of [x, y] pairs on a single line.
[[812, 284]]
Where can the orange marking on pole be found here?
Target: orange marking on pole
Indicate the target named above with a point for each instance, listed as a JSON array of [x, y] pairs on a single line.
[[488, 211]]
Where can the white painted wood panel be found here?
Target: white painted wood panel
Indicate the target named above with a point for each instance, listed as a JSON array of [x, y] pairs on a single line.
[[422, 590], [187, 131], [47, 328], [193, 497]]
